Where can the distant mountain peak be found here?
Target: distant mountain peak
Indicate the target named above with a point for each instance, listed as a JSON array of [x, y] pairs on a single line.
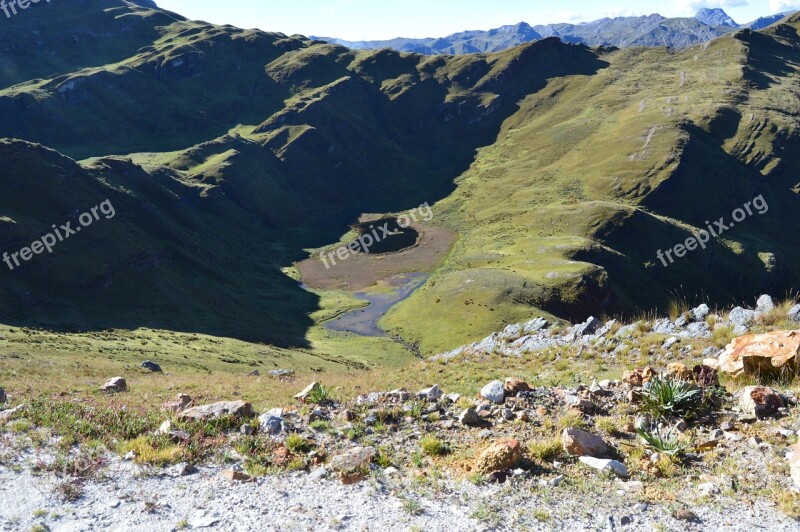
[[715, 17]]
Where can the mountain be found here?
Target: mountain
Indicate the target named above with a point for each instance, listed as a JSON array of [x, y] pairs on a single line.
[[229, 154], [764, 22], [715, 17], [623, 32]]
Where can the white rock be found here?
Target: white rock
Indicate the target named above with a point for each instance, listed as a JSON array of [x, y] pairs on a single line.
[[602, 465], [765, 304], [494, 391]]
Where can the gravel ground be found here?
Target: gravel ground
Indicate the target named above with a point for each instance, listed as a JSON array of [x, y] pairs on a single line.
[[131, 498]]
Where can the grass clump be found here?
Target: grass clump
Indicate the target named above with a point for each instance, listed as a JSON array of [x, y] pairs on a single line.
[[433, 446], [546, 450], [157, 451], [297, 444], [669, 443]]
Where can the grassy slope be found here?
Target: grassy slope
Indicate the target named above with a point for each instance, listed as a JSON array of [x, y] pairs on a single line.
[[594, 174]]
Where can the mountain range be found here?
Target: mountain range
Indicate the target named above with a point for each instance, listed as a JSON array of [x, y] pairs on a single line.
[[230, 154], [652, 30]]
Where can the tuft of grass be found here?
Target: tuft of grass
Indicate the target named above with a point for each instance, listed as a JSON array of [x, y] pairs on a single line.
[[722, 336], [319, 395], [546, 450], [157, 451], [433, 446], [572, 420], [297, 444]]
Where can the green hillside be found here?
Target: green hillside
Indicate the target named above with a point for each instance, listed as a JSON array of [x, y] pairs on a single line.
[[230, 153]]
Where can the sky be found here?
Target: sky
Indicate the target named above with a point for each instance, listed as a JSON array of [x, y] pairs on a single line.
[[356, 20]]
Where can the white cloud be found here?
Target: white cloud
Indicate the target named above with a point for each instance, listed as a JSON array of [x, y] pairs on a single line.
[[779, 6]]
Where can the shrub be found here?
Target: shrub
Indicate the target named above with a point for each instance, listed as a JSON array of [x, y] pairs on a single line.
[[297, 444]]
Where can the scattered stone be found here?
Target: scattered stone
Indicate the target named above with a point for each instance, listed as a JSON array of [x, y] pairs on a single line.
[[485, 434], [679, 371], [765, 304], [184, 470], [705, 376], [149, 365], [432, 394], [794, 313], [760, 401], [513, 386], [348, 415], [311, 388], [165, 428], [353, 465], [728, 426], [494, 391], [115, 385], [279, 373], [579, 443], [217, 410], [708, 489], [499, 456], [181, 403], [762, 354], [638, 377], [469, 417], [236, 476], [3, 397], [254, 373], [606, 466], [684, 515]]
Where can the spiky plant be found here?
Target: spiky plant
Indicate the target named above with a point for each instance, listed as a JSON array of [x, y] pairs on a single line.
[[665, 397]]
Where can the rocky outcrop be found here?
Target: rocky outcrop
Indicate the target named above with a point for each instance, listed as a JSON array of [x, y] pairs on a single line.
[[217, 410], [115, 385], [762, 354], [579, 443], [498, 456]]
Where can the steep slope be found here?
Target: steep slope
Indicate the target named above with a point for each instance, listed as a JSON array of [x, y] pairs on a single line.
[[594, 175], [249, 148]]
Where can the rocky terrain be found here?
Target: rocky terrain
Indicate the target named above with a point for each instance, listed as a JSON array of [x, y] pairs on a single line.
[[673, 444]]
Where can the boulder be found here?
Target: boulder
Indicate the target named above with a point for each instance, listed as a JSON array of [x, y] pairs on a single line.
[[499, 456], [270, 424], [762, 353], [741, 316], [760, 401], [115, 385], [700, 313], [149, 365], [579, 443], [794, 313], [311, 388], [494, 391], [765, 304], [606, 466], [353, 466], [181, 402], [217, 410], [513, 386]]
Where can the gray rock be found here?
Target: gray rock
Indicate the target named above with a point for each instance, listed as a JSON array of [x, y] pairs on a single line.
[[663, 326], [681, 321], [741, 316], [765, 304], [794, 313], [588, 327], [535, 326], [512, 332], [149, 365], [278, 373], [606, 466], [469, 417], [431, 394], [270, 424], [669, 343], [217, 410], [701, 313], [3, 397], [494, 391], [485, 434], [741, 330], [698, 329]]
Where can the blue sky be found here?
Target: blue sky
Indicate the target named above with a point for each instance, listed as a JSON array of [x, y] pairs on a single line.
[[384, 19]]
